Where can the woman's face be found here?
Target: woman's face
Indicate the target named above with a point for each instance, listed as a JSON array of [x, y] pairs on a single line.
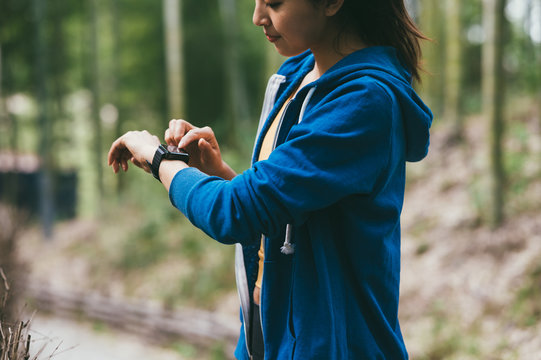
[[293, 26]]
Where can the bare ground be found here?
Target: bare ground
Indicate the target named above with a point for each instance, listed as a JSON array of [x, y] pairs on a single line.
[[468, 291]]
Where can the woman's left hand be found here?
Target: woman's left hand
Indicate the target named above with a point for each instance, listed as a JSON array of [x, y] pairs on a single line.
[[135, 146]]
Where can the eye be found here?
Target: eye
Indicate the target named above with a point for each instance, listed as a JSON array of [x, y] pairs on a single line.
[[273, 5]]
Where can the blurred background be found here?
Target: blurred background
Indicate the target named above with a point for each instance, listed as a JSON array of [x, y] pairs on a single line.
[[109, 265]]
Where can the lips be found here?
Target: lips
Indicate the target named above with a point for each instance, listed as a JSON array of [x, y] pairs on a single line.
[[272, 38]]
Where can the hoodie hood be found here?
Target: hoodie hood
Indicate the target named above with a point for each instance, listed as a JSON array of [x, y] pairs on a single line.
[[382, 63]]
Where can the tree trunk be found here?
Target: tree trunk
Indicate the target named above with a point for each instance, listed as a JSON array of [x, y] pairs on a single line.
[[121, 176], [238, 111], [8, 140], [45, 178], [453, 70], [493, 97], [433, 54], [172, 13], [5, 125], [12, 270], [3, 109], [539, 67], [95, 88]]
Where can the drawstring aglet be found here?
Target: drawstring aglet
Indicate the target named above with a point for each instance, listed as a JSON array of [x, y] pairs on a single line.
[[288, 248]]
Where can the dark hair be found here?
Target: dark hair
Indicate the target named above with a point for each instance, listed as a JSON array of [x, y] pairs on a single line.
[[384, 22]]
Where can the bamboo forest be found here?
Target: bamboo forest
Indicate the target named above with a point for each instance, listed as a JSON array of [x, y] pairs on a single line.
[[95, 265]]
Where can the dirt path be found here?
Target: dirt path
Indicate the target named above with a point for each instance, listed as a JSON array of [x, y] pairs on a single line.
[[82, 341]]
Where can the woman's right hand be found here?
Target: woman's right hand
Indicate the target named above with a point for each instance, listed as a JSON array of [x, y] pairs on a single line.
[[202, 146]]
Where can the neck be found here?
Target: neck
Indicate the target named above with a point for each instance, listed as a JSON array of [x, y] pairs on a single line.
[[333, 51]]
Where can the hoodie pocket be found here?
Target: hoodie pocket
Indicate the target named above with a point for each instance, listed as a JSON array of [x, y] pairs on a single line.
[[290, 315]]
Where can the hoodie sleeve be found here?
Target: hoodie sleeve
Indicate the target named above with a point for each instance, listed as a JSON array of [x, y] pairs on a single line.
[[340, 148]]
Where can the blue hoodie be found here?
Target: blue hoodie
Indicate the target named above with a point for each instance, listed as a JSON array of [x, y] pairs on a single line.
[[335, 181]]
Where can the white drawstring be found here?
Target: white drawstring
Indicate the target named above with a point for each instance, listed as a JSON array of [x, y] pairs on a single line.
[[288, 248]]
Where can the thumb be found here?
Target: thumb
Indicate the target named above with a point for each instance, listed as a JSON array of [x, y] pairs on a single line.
[[209, 155], [204, 146]]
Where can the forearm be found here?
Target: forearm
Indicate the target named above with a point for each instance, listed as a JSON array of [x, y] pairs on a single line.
[[222, 209], [168, 170]]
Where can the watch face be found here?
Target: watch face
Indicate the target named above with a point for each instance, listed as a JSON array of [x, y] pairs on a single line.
[[173, 149], [174, 153]]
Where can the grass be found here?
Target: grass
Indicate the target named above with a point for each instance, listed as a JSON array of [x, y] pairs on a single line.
[[526, 309], [15, 339], [446, 338], [188, 351]]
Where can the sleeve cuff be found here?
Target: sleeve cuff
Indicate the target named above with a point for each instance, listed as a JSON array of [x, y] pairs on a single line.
[[181, 186]]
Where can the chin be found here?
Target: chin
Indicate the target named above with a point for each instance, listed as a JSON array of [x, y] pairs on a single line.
[[290, 52]]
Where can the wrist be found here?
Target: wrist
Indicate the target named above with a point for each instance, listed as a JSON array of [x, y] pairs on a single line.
[[168, 170], [226, 172], [149, 151], [162, 153]]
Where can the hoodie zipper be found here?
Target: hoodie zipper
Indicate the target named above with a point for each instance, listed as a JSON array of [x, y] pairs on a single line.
[[263, 273], [301, 115]]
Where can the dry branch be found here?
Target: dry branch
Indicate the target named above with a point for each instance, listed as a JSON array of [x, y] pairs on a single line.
[[154, 323]]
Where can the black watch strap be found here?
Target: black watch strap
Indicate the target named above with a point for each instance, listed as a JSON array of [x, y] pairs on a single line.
[[159, 155], [162, 152]]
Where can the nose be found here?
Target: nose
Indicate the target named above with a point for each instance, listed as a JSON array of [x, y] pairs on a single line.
[[260, 17]]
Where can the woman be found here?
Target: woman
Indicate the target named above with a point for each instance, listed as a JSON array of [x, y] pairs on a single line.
[[316, 219]]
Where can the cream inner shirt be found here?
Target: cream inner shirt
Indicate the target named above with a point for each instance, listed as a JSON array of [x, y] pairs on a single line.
[[264, 153]]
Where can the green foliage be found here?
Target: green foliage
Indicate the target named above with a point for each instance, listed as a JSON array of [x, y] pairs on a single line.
[[144, 244], [185, 350], [209, 278], [188, 351], [143, 247], [478, 191], [17, 54], [526, 309], [218, 352], [446, 339]]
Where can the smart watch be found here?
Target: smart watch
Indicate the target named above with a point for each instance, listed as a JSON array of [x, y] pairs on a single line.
[[167, 152]]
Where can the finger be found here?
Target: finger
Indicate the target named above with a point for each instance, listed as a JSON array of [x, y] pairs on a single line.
[[114, 164], [208, 133], [135, 162], [124, 165], [124, 161], [196, 134], [178, 128], [167, 137], [143, 165], [119, 149], [174, 127], [191, 136], [113, 151], [114, 158], [209, 136], [204, 146]]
